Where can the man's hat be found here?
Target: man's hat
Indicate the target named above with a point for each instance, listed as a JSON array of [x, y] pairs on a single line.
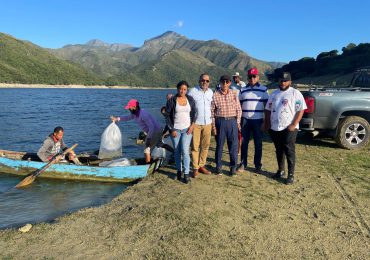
[[132, 103], [252, 71], [236, 74], [285, 76], [225, 77]]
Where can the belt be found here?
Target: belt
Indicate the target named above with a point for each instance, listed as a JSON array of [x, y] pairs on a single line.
[[226, 118]]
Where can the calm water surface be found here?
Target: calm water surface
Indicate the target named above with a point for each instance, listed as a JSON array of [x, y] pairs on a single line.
[[27, 116]]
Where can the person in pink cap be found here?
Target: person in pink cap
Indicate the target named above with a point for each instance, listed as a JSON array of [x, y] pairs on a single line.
[[147, 123]]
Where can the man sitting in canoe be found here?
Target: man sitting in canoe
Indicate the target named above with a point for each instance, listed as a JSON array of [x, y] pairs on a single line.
[[147, 123], [53, 145]]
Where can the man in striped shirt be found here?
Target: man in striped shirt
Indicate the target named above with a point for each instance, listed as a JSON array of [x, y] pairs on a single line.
[[253, 98], [226, 113]]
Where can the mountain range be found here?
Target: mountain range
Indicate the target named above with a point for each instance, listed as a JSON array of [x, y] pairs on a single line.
[[160, 62]]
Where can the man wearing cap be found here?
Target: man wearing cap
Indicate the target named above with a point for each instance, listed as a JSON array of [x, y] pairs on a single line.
[[253, 98], [284, 110], [226, 113], [147, 123], [237, 84], [202, 95]]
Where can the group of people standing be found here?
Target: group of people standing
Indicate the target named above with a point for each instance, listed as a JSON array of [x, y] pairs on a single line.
[[234, 112], [194, 115]]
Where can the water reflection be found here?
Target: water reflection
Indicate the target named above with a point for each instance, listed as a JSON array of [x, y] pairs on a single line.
[[84, 114], [45, 199]]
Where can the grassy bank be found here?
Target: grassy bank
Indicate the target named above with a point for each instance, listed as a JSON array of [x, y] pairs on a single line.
[[325, 214]]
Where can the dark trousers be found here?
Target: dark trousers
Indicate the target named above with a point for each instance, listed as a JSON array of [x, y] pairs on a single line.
[[284, 142], [252, 126], [226, 129]]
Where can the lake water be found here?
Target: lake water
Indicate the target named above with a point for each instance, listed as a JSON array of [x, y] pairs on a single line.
[[27, 116]]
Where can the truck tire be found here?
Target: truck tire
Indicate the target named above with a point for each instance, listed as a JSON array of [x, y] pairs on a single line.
[[353, 132]]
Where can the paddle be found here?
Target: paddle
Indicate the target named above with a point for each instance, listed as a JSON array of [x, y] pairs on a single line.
[[28, 180]]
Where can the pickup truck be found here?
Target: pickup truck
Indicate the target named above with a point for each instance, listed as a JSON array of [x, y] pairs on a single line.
[[345, 112]]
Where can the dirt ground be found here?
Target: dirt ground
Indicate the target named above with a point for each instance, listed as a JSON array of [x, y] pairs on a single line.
[[324, 214]]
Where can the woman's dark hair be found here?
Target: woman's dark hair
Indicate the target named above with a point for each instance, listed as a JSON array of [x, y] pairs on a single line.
[[58, 129], [182, 82]]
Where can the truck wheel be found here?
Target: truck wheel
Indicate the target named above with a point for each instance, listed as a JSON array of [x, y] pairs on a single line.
[[353, 132]]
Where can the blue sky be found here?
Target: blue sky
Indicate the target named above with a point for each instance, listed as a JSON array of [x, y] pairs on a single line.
[[269, 30]]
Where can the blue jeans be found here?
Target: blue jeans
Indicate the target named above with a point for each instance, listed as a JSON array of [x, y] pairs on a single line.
[[251, 126], [181, 144]]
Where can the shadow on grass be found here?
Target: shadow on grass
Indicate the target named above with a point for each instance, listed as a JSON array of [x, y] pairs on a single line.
[[305, 138], [165, 171], [319, 141], [267, 174]]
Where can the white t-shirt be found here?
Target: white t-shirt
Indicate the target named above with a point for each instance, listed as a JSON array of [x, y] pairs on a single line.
[[283, 106], [182, 116]]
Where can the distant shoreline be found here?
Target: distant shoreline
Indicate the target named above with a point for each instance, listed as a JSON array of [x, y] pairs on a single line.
[[18, 85]]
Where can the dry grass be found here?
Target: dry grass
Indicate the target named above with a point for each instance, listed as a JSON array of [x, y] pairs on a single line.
[[325, 214]]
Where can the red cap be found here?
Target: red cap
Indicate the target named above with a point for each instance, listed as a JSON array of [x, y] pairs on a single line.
[[253, 71], [132, 103]]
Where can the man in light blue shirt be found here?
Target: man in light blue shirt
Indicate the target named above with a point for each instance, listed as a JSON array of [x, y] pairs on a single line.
[[202, 95]]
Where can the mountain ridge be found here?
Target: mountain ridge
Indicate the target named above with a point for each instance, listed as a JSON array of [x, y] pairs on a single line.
[[109, 63], [173, 56]]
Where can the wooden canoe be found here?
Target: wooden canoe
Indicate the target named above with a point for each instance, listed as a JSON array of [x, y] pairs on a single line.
[[22, 163]]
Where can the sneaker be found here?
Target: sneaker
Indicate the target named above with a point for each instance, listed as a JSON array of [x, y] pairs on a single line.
[[278, 175], [233, 173], [241, 168], [290, 179], [219, 172], [186, 178]]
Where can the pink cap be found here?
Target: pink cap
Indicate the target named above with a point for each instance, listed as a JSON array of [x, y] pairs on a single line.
[[253, 71], [132, 103]]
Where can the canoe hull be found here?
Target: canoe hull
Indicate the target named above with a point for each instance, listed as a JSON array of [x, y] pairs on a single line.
[[76, 172]]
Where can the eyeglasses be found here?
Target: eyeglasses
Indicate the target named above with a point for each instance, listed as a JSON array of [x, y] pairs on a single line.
[[204, 80], [225, 81], [252, 76]]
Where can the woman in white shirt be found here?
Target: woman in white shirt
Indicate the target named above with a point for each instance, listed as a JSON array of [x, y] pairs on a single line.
[[180, 120]]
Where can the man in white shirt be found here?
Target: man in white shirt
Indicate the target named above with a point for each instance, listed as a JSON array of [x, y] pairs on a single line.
[[284, 110], [253, 98], [202, 95]]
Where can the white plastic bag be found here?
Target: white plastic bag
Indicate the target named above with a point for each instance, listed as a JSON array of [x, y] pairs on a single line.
[[111, 142], [116, 162]]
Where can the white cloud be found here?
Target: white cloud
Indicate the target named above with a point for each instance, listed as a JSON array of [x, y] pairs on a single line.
[[179, 24]]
